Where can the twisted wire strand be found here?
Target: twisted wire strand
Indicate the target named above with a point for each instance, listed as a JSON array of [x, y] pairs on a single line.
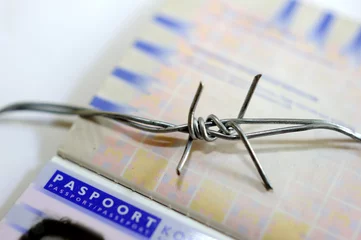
[[156, 126], [197, 128]]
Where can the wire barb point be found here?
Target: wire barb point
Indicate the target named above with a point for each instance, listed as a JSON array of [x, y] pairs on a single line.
[[251, 90], [251, 152]]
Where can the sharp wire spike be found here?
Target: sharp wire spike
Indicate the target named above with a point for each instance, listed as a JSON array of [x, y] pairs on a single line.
[[198, 129], [192, 134], [243, 136], [192, 110], [249, 96], [252, 154], [185, 155]]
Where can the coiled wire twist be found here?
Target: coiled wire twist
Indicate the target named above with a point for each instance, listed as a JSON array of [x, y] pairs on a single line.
[[198, 128]]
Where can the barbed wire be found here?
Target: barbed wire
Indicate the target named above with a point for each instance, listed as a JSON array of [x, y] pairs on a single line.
[[208, 129]]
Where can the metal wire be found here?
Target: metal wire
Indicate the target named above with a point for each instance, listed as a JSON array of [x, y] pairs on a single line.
[[198, 128]]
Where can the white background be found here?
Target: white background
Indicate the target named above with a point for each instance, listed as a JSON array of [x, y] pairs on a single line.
[[60, 51]]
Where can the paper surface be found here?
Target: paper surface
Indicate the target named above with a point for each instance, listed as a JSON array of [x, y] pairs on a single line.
[[310, 61]]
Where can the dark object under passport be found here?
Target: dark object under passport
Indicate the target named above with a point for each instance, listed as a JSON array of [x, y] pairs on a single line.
[[63, 229]]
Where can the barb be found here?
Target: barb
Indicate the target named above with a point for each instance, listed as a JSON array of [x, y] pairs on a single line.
[[252, 154], [244, 138], [192, 127], [198, 129], [249, 95]]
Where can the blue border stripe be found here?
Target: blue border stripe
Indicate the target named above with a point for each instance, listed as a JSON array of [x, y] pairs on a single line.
[[106, 105], [160, 53], [33, 210], [173, 24], [126, 75], [18, 227], [137, 80], [353, 48], [286, 14], [320, 31]]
